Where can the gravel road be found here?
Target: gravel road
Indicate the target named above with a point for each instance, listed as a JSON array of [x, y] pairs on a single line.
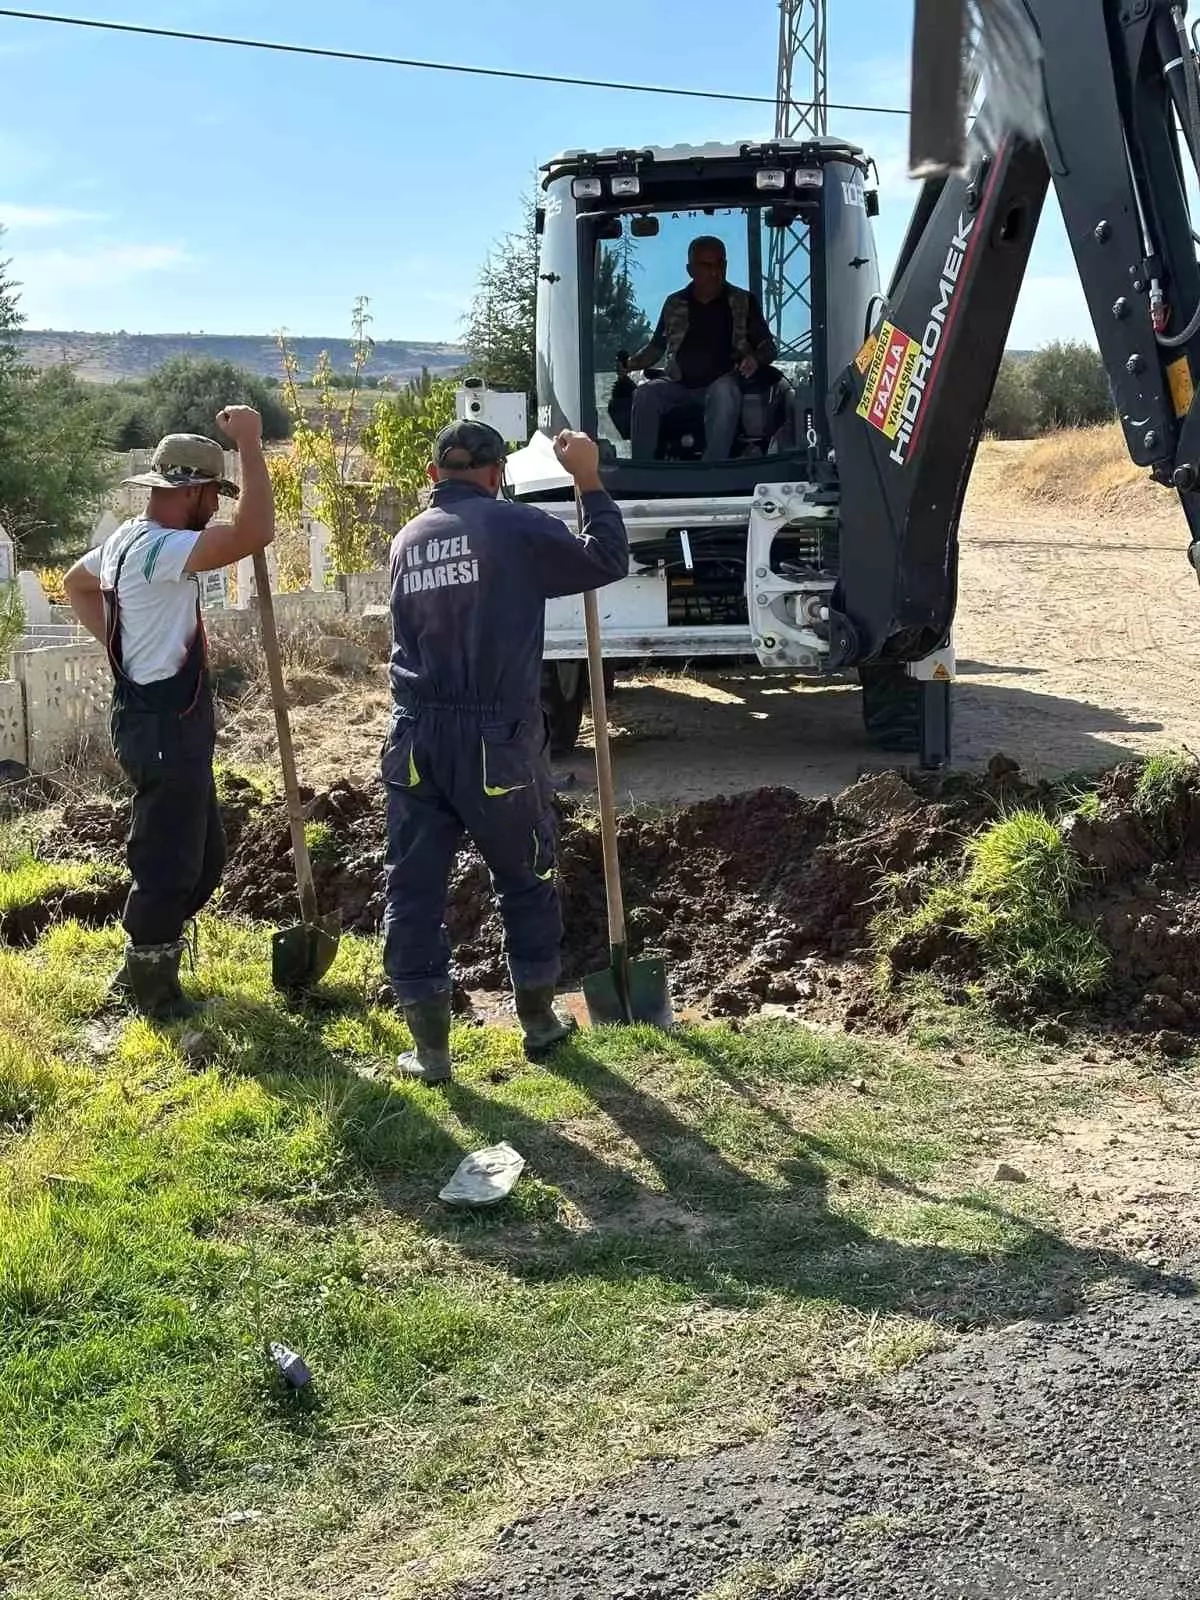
[[1054, 1459]]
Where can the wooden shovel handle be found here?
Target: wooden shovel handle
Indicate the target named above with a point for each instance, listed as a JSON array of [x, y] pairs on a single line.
[[283, 729], [604, 777]]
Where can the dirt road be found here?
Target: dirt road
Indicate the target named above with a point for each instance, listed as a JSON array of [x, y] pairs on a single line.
[[1077, 643]]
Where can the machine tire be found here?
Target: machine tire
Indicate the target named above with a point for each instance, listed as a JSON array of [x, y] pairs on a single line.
[[564, 695], [891, 707]]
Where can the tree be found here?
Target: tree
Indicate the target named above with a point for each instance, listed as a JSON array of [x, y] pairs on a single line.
[[321, 453], [620, 323], [400, 437], [501, 332], [1070, 385], [129, 424], [185, 395], [126, 416], [53, 467], [1013, 411]]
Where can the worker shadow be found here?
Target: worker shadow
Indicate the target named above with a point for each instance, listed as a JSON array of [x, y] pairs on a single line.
[[376, 1122], [621, 1186], [645, 1191]]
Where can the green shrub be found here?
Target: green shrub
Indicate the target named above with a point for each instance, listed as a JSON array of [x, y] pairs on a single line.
[[1070, 386], [185, 395], [1013, 411]]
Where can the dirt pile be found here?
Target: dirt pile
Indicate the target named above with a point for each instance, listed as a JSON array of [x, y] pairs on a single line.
[[765, 896], [747, 897], [1142, 849]]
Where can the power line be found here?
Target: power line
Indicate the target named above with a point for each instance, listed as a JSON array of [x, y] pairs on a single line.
[[327, 54]]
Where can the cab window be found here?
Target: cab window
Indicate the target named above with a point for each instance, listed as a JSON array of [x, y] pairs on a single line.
[[690, 402]]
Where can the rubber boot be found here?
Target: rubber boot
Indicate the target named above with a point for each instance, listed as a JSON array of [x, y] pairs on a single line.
[[544, 1028], [429, 1023], [152, 975], [119, 991]]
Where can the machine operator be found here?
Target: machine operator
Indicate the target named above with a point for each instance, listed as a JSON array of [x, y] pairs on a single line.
[[711, 335], [467, 748]]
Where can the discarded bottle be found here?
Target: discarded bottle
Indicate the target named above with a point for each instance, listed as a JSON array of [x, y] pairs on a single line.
[[290, 1365]]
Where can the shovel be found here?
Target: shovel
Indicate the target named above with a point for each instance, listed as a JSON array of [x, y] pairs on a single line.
[[301, 955], [625, 991]]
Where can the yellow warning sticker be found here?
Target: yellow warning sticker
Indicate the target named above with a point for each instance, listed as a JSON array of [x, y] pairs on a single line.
[[892, 367], [863, 359], [941, 673], [1179, 377]]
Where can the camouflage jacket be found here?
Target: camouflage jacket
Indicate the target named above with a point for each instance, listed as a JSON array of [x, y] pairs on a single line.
[[673, 327]]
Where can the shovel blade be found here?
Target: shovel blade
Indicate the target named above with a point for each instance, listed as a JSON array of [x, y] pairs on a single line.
[[632, 991], [301, 956]]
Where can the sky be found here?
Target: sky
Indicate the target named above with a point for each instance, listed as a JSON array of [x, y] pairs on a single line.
[[163, 187]]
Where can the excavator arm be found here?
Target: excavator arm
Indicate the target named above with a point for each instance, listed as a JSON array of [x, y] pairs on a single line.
[[1121, 128]]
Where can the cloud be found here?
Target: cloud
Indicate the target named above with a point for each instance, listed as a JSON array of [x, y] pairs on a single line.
[[46, 272], [17, 216]]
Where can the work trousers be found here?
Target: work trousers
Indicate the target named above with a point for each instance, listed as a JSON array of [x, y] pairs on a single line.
[[481, 774], [722, 411], [176, 842]]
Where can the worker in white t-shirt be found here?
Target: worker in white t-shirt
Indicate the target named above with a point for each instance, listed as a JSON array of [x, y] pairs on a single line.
[[139, 594]]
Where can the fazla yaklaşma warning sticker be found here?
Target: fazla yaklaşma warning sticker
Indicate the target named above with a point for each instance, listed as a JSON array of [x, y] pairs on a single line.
[[888, 380]]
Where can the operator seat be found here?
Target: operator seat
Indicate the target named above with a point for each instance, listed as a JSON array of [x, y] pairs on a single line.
[[767, 405], [764, 408]]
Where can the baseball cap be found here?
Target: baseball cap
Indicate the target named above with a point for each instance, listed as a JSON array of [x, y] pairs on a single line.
[[462, 445], [183, 460]]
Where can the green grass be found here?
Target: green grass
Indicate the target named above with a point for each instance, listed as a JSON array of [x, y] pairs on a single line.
[[26, 881], [321, 840], [1089, 806], [232, 781], [1160, 795], [1012, 901], [1161, 779], [707, 1222]]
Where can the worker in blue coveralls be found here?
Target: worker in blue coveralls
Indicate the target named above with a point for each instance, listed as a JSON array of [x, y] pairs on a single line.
[[467, 749]]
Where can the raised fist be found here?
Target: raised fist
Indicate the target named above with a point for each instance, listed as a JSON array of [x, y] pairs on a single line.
[[242, 423]]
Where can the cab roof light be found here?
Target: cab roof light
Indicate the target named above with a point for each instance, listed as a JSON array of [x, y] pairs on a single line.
[[625, 184], [770, 178], [586, 188], [810, 177]]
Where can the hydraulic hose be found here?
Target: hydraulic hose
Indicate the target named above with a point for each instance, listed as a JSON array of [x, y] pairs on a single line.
[[1172, 341]]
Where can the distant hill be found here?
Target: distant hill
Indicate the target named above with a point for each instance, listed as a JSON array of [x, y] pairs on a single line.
[[109, 357]]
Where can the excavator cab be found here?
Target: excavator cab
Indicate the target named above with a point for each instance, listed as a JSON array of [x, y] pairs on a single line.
[[615, 230], [735, 511]]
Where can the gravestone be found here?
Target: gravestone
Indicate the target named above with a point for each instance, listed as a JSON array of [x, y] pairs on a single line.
[[33, 598], [106, 525], [318, 553], [245, 578], [214, 590]]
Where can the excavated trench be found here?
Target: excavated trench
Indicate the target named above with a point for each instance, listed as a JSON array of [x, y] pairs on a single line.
[[750, 898], [24, 925], [763, 897]]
